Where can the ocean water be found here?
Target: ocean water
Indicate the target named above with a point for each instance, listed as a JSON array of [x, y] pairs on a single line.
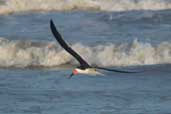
[[130, 35]]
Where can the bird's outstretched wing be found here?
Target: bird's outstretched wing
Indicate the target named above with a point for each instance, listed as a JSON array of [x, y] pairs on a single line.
[[116, 70], [59, 38]]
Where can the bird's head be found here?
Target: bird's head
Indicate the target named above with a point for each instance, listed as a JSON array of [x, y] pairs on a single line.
[[74, 72]]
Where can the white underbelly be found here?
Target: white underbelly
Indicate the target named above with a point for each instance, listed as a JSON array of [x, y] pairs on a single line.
[[90, 71]]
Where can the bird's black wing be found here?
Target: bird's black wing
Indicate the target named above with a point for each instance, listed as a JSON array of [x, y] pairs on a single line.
[[59, 38], [116, 70]]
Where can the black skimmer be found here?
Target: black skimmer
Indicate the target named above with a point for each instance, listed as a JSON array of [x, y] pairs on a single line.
[[84, 67]]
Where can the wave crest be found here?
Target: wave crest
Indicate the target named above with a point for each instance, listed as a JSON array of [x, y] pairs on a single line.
[[12, 6], [27, 53]]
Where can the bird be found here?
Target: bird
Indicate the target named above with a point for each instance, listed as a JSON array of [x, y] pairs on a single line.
[[85, 67]]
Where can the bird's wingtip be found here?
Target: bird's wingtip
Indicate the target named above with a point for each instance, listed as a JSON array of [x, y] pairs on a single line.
[[51, 21]]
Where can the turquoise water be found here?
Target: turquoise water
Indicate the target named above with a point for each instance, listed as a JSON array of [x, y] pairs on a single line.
[[32, 80]]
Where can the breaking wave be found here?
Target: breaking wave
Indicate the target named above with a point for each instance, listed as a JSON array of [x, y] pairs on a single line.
[[35, 54], [11, 6]]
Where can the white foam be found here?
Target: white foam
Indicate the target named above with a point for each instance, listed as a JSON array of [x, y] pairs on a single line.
[[27, 53], [12, 6]]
